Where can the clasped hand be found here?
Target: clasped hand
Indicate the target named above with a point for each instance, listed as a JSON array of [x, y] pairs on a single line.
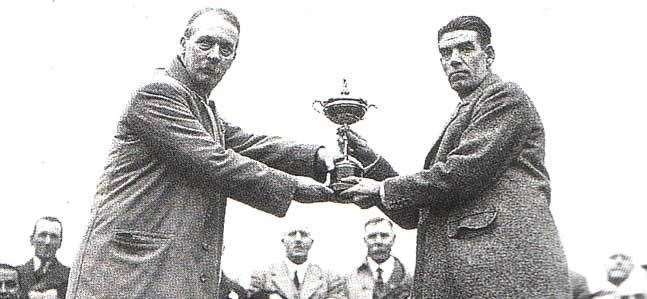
[[365, 193]]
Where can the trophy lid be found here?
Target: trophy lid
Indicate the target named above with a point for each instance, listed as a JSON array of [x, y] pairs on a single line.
[[345, 95], [345, 109]]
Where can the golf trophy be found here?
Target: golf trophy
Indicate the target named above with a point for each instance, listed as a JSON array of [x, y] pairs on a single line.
[[344, 110]]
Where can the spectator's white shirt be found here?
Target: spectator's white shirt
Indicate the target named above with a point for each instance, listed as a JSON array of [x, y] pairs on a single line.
[[301, 269], [387, 268]]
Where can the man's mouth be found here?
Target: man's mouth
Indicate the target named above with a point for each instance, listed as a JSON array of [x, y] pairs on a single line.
[[458, 75]]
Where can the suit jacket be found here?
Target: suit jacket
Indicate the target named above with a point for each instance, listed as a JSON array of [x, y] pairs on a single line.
[[360, 283], [55, 278], [317, 283], [481, 203], [579, 286], [156, 227]]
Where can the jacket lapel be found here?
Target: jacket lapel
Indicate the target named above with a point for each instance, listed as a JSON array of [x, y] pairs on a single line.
[[477, 93], [311, 281], [397, 276], [282, 281]]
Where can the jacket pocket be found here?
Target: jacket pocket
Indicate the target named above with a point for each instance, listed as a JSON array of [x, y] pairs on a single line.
[[138, 246], [471, 225]]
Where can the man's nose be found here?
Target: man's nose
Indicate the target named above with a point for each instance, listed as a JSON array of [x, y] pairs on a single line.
[[455, 59], [214, 53], [47, 240]]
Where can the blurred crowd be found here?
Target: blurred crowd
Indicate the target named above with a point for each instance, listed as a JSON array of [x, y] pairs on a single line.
[[380, 275]]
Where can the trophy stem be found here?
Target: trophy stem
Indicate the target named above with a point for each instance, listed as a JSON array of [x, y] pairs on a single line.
[[344, 137]]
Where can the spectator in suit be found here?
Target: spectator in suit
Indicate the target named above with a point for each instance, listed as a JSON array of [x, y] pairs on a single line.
[[231, 289], [381, 275], [9, 282], [296, 277], [579, 286], [622, 281], [43, 276]]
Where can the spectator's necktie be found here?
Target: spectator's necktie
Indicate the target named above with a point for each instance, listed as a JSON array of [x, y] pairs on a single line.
[[380, 289], [296, 281], [40, 273]]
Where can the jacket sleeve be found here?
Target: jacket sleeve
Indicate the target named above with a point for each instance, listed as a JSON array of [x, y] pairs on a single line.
[[160, 116], [276, 152], [405, 217], [336, 287], [495, 135]]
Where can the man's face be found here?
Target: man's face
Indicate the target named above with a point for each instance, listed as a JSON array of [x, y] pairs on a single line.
[[210, 50], [9, 286], [379, 239], [619, 267], [46, 239], [464, 61], [297, 244]]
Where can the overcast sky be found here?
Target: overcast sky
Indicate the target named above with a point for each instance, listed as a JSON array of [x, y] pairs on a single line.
[[68, 68]]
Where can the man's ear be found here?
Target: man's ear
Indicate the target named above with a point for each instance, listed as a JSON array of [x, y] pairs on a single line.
[[489, 50], [182, 46]]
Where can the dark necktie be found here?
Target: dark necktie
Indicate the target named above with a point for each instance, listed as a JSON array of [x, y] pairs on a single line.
[[380, 290], [296, 280], [40, 273]]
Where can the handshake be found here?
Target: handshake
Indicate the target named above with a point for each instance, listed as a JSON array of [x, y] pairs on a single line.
[[364, 192]]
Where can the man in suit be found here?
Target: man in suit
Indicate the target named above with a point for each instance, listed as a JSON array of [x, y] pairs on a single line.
[[9, 282], [481, 204], [296, 277], [43, 276], [623, 281], [156, 228], [381, 276]]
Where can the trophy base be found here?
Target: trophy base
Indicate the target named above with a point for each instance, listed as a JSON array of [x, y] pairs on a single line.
[[340, 186]]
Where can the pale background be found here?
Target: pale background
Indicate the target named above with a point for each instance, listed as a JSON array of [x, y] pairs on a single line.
[[68, 66]]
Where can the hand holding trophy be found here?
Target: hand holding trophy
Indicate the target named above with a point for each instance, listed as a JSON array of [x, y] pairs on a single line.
[[344, 110]]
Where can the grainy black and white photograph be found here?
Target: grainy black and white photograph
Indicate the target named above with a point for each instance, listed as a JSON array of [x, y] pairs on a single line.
[[323, 149]]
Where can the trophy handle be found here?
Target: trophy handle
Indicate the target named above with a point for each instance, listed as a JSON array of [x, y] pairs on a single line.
[[371, 106], [318, 106]]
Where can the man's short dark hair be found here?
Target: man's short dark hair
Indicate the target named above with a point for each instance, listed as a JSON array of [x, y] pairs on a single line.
[[50, 219], [377, 220], [473, 23], [8, 267], [228, 15]]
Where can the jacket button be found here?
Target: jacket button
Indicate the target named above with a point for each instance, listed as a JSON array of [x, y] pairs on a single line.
[[203, 278], [205, 246]]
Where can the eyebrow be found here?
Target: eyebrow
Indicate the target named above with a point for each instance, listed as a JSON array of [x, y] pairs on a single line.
[[465, 43]]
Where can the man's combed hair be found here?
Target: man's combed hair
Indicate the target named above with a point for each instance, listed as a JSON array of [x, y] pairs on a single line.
[[473, 23], [50, 219], [8, 267], [377, 220], [228, 15]]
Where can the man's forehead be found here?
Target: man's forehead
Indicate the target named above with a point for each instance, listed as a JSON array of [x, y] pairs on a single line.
[[8, 274], [214, 22], [44, 225], [378, 227], [449, 39]]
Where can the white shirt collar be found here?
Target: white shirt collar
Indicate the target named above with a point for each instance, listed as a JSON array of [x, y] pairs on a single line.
[[387, 268], [37, 263], [301, 269]]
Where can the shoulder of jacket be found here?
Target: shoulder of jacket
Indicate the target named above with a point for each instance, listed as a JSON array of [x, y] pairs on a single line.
[[162, 84], [502, 92]]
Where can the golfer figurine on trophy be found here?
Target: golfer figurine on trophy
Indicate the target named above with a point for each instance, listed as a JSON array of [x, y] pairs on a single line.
[[344, 110]]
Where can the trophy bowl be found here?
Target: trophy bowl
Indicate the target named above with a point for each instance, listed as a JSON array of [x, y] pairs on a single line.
[[344, 111]]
